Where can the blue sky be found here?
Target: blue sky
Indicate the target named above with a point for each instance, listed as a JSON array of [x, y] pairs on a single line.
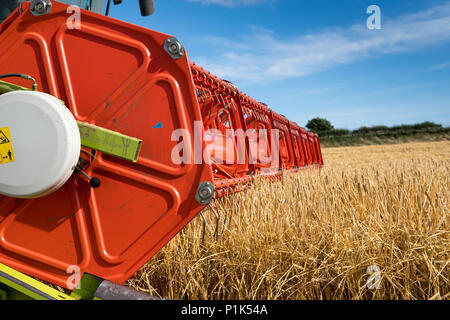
[[317, 58]]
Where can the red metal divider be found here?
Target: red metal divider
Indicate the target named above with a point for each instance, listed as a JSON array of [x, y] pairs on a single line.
[[287, 160], [299, 152]]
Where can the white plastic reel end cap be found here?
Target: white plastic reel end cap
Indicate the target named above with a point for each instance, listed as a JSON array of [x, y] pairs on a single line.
[[39, 144]]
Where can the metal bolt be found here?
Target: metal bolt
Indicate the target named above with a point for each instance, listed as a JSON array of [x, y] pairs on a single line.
[[40, 7], [174, 48], [205, 193]]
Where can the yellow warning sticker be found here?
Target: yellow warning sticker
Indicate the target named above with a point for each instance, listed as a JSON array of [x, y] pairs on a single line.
[[6, 150]]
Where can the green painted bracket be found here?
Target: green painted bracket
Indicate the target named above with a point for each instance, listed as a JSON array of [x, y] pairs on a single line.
[[87, 287], [109, 142], [97, 138], [23, 286]]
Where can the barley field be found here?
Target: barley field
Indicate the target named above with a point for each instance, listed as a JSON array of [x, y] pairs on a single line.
[[372, 224]]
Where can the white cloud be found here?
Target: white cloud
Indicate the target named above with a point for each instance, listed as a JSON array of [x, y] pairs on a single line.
[[231, 3], [441, 66], [263, 56]]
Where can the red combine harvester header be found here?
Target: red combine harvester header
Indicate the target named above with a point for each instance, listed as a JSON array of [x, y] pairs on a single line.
[[160, 136]]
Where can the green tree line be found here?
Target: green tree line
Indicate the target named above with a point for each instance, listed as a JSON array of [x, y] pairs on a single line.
[[323, 127]]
